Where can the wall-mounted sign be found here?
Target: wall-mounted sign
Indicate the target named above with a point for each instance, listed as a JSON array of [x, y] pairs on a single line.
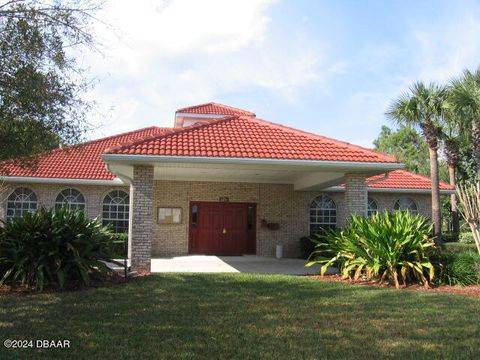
[[223, 199], [169, 215]]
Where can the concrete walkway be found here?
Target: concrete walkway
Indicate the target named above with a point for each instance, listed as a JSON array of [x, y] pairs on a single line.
[[251, 264]]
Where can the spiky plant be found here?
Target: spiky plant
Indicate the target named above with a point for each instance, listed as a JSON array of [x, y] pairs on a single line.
[[387, 246]]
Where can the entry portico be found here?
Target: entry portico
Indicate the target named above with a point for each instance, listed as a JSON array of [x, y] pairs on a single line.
[[163, 173]]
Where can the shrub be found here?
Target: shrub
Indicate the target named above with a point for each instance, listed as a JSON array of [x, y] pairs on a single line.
[[458, 247], [118, 245], [450, 237], [466, 238], [307, 246], [387, 246], [462, 268], [53, 246]]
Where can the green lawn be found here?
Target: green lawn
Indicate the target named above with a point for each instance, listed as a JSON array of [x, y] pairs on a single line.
[[180, 316]]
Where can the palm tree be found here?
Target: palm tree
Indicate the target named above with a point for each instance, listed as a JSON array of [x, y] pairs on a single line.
[[452, 138], [423, 107], [465, 102]]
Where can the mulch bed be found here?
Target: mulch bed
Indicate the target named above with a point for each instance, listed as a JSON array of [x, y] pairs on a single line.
[[458, 290]]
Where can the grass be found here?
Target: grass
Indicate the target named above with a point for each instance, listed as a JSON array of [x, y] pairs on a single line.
[[232, 316]]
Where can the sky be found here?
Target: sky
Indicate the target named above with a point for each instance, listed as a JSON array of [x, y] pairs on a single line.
[[328, 67]]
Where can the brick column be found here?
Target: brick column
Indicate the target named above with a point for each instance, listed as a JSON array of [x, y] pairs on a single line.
[[141, 193], [355, 195]]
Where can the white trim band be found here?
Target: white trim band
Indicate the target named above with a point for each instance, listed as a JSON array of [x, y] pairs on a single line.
[[230, 160], [393, 190], [40, 180]]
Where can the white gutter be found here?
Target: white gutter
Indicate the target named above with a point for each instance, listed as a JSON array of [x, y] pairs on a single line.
[[249, 161], [393, 190], [41, 180]]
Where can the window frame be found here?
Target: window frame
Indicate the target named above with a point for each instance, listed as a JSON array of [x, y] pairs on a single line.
[[371, 211], [325, 217], [397, 203], [22, 209], [76, 205], [116, 220]]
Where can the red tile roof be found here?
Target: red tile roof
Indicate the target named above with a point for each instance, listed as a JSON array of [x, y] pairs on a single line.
[[80, 161], [247, 137], [402, 179], [214, 109]]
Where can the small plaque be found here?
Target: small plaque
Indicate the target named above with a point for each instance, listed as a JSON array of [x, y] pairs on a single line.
[[169, 215]]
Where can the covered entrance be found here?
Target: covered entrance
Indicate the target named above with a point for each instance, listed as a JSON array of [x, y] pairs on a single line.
[[222, 228]]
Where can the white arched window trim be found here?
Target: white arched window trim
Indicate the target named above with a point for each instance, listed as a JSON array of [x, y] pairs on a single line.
[[115, 210], [406, 204], [21, 201], [372, 206], [323, 214], [71, 198]]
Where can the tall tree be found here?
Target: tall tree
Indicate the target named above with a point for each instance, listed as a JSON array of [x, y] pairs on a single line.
[[464, 100], [407, 145], [451, 149], [423, 107], [41, 85]]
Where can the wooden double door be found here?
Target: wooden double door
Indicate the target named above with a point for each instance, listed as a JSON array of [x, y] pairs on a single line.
[[222, 228]]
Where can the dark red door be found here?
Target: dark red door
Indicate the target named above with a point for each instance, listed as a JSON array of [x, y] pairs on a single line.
[[235, 228], [222, 228]]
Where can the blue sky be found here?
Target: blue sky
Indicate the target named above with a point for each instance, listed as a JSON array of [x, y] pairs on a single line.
[[329, 67]]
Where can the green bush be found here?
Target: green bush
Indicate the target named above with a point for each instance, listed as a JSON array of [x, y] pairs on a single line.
[[55, 246], [307, 246], [387, 246], [118, 245], [458, 247], [466, 238], [450, 237], [461, 268]]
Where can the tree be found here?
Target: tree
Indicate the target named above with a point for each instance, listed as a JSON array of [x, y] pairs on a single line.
[[423, 107], [464, 100], [469, 195], [407, 145], [41, 85], [451, 148]]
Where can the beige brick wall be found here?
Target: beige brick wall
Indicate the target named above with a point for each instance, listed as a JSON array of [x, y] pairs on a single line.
[[47, 193], [142, 217], [355, 196], [275, 203], [386, 201]]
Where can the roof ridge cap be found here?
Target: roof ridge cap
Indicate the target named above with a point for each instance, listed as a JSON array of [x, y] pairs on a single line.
[[108, 137], [247, 112], [170, 132], [316, 136]]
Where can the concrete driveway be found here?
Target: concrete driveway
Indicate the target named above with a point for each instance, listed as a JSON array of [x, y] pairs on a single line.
[[250, 264], [232, 264]]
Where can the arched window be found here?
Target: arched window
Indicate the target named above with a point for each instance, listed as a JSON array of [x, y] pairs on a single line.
[[115, 210], [372, 207], [323, 214], [21, 201], [71, 199], [406, 204]]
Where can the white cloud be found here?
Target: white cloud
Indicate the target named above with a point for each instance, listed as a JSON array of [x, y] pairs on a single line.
[[163, 55], [444, 50]]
